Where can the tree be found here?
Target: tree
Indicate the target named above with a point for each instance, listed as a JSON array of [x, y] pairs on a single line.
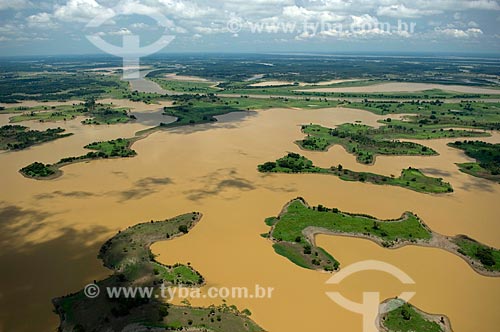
[[90, 103], [405, 313], [183, 229], [485, 255]]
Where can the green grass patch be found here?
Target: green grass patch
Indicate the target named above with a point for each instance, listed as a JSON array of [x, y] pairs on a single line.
[[363, 141], [410, 178], [298, 217], [98, 113], [191, 109], [128, 254], [479, 114], [186, 86], [407, 319], [294, 254], [271, 221], [178, 274], [489, 257], [291, 242], [118, 148], [487, 156], [109, 149]]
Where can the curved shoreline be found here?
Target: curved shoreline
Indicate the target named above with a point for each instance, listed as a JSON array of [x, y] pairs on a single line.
[[128, 254], [440, 319], [437, 241]]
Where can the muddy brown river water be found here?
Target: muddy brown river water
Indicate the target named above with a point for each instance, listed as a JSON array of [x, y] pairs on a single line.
[[51, 231]]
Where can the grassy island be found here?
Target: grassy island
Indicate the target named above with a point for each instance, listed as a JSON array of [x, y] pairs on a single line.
[[15, 137], [487, 156], [410, 178], [366, 142], [436, 114], [196, 109], [294, 230], [359, 140], [489, 257], [118, 148], [407, 318], [128, 254]]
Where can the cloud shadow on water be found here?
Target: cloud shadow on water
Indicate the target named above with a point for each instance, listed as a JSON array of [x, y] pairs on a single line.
[[33, 273], [217, 182], [144, 187]]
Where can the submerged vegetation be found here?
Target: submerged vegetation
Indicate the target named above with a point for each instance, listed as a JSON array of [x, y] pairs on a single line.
[[15, 137], [410, 178], [293, 232], [487, 156], [128, 254], [118, 148]]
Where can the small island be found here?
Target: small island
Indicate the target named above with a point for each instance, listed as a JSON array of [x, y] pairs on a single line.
[[128, 254], [16, 137], [366, 142], [487, 156], [410, 178], [401, 316], [118, 148], [359, 140], [293, 236]]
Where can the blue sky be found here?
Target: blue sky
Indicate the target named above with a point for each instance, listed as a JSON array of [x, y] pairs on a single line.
[[29, 27]]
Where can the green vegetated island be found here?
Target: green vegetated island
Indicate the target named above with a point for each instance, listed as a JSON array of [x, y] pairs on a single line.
[[133, 264], [401, 316], [487, 157], [366, 142], [188, 109], [118, 148], [97, 113], [436, 115], [293, 235], [16, 137], [410, 178], [196, 109]]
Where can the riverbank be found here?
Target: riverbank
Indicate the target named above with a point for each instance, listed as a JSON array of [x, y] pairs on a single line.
[[409, 229], [128, 254]]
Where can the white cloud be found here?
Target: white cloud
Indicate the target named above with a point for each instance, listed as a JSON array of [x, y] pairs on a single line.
[[140, 25], [41, 21], [457, 33], [187, 9], [14, 4], [121, 32], [437, 19], [81, 11], [303, 14], [401, 11]]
